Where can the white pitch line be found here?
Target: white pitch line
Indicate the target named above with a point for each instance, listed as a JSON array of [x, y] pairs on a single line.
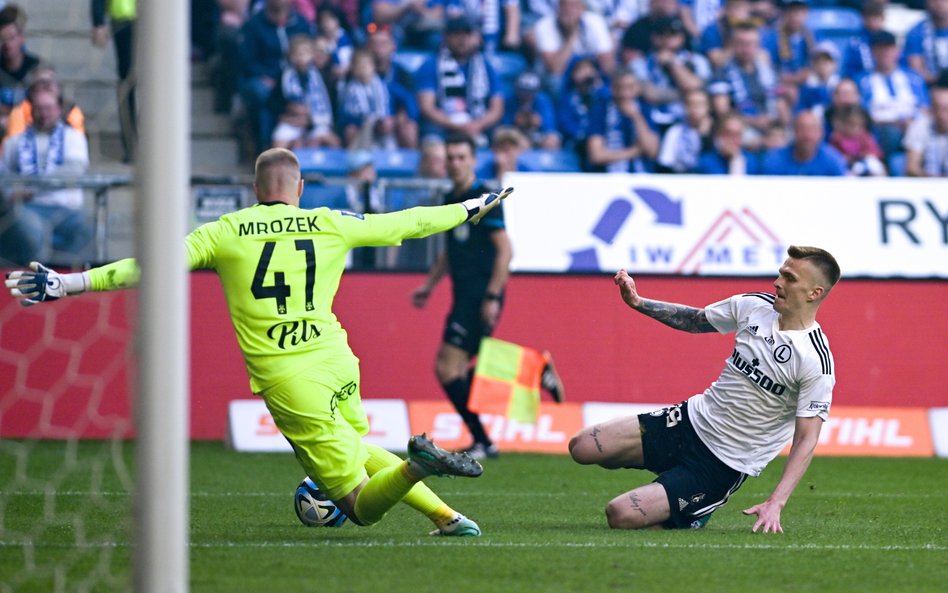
[[474, 493], [486, 543]]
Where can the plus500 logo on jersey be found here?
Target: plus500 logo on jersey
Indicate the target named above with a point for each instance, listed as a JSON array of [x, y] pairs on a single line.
[[754, 374]]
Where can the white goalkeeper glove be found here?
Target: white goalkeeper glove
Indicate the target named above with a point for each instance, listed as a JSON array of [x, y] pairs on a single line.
[[40, 284], [478, 207]]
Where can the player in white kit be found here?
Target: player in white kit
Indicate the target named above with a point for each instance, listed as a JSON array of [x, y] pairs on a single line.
[[777, 385]]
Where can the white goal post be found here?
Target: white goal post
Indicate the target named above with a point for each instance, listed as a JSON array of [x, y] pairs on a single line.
[[161, 402]]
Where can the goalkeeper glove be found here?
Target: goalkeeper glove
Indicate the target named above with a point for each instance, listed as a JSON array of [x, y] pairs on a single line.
[[478, 207], [39, 284]]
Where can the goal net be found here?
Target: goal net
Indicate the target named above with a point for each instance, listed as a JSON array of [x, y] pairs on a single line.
[[66, 479]]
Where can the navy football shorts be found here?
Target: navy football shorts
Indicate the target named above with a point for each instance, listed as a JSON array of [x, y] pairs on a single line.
[[696, 482], [465, 326]]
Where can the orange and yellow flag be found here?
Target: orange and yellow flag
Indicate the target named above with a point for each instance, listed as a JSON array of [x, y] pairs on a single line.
[[507, 381]]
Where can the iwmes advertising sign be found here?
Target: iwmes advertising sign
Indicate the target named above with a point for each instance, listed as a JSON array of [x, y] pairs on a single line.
[[718, 225]]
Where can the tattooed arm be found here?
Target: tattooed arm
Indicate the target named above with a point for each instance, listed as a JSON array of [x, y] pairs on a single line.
[[689, 319]]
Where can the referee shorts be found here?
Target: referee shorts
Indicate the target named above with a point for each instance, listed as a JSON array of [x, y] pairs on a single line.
[[696, 482], [320, 413], [464, 326]]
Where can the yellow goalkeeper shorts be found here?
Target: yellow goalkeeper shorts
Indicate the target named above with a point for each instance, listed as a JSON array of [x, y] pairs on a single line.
[[320, 413]]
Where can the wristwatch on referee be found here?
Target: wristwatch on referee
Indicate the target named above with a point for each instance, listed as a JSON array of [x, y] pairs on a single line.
[[492, 296]]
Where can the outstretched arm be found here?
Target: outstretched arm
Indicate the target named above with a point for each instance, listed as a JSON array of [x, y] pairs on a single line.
[[806, 435], [39, 284], [683, 317]]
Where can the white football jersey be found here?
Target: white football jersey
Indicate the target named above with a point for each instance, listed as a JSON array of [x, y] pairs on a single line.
[[772, 377]]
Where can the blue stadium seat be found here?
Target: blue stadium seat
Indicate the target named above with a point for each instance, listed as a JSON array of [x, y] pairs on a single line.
[[396, 162], [484, 169], [549, 161], [330, 196], [326, 161], [832, 21], [411, 59], [508, 65]]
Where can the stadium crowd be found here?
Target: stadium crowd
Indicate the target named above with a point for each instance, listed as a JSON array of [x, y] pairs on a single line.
[[774, 87], [771, 87]]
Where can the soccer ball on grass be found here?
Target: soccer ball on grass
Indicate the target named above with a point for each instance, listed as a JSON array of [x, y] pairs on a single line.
[[313, 507]]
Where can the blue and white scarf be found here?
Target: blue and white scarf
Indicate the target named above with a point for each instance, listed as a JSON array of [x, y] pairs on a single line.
[[459, 93], [935, 48], [361, 100], [28, 158], [743, 101], [315, 95]]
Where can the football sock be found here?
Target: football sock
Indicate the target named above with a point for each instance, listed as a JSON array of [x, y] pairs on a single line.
[[383, 491], [420, 497], [459, 392]]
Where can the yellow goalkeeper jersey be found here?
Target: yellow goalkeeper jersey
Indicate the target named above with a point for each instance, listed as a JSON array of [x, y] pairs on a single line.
[[280, 268]]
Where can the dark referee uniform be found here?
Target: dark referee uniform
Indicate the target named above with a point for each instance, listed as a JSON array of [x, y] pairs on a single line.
[[471, 256]]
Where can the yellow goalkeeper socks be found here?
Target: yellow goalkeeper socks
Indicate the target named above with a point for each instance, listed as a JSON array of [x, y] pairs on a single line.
[[420, 497], [382, 492]]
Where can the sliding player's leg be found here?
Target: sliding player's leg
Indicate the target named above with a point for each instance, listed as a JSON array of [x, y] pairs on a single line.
[[422, 499], [320, 413]]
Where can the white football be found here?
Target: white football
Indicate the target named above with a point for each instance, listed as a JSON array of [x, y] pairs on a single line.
[[314, 509]]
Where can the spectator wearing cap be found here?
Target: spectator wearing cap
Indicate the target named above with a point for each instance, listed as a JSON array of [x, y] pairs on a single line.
[[498, 21], [458, 89], [416, 24], [582, 84], [715, 37], [637, 39], [668, 71], [573, 31], [926, 44], [529, 109], [361, 193], [807, 154], [750, 79], [726, 155], [817, 89], [857, 56], [620, 137], [893, 95], [926, 141]]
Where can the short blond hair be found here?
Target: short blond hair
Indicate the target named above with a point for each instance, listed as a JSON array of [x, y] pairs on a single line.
[[272, 159]]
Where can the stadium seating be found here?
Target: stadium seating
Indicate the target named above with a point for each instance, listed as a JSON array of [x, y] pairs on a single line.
[[326, 161], [396, 162], [508, 65], [330, 196], [411, 59], [549, 161], [833, 22]]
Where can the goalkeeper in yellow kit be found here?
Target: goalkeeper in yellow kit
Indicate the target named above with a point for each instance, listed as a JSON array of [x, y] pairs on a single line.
[[280, 268]]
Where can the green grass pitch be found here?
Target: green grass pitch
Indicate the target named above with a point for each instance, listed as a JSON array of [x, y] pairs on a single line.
[[860, 525]]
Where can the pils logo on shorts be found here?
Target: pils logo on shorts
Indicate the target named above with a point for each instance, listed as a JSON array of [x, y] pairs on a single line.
[[696, 498]]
